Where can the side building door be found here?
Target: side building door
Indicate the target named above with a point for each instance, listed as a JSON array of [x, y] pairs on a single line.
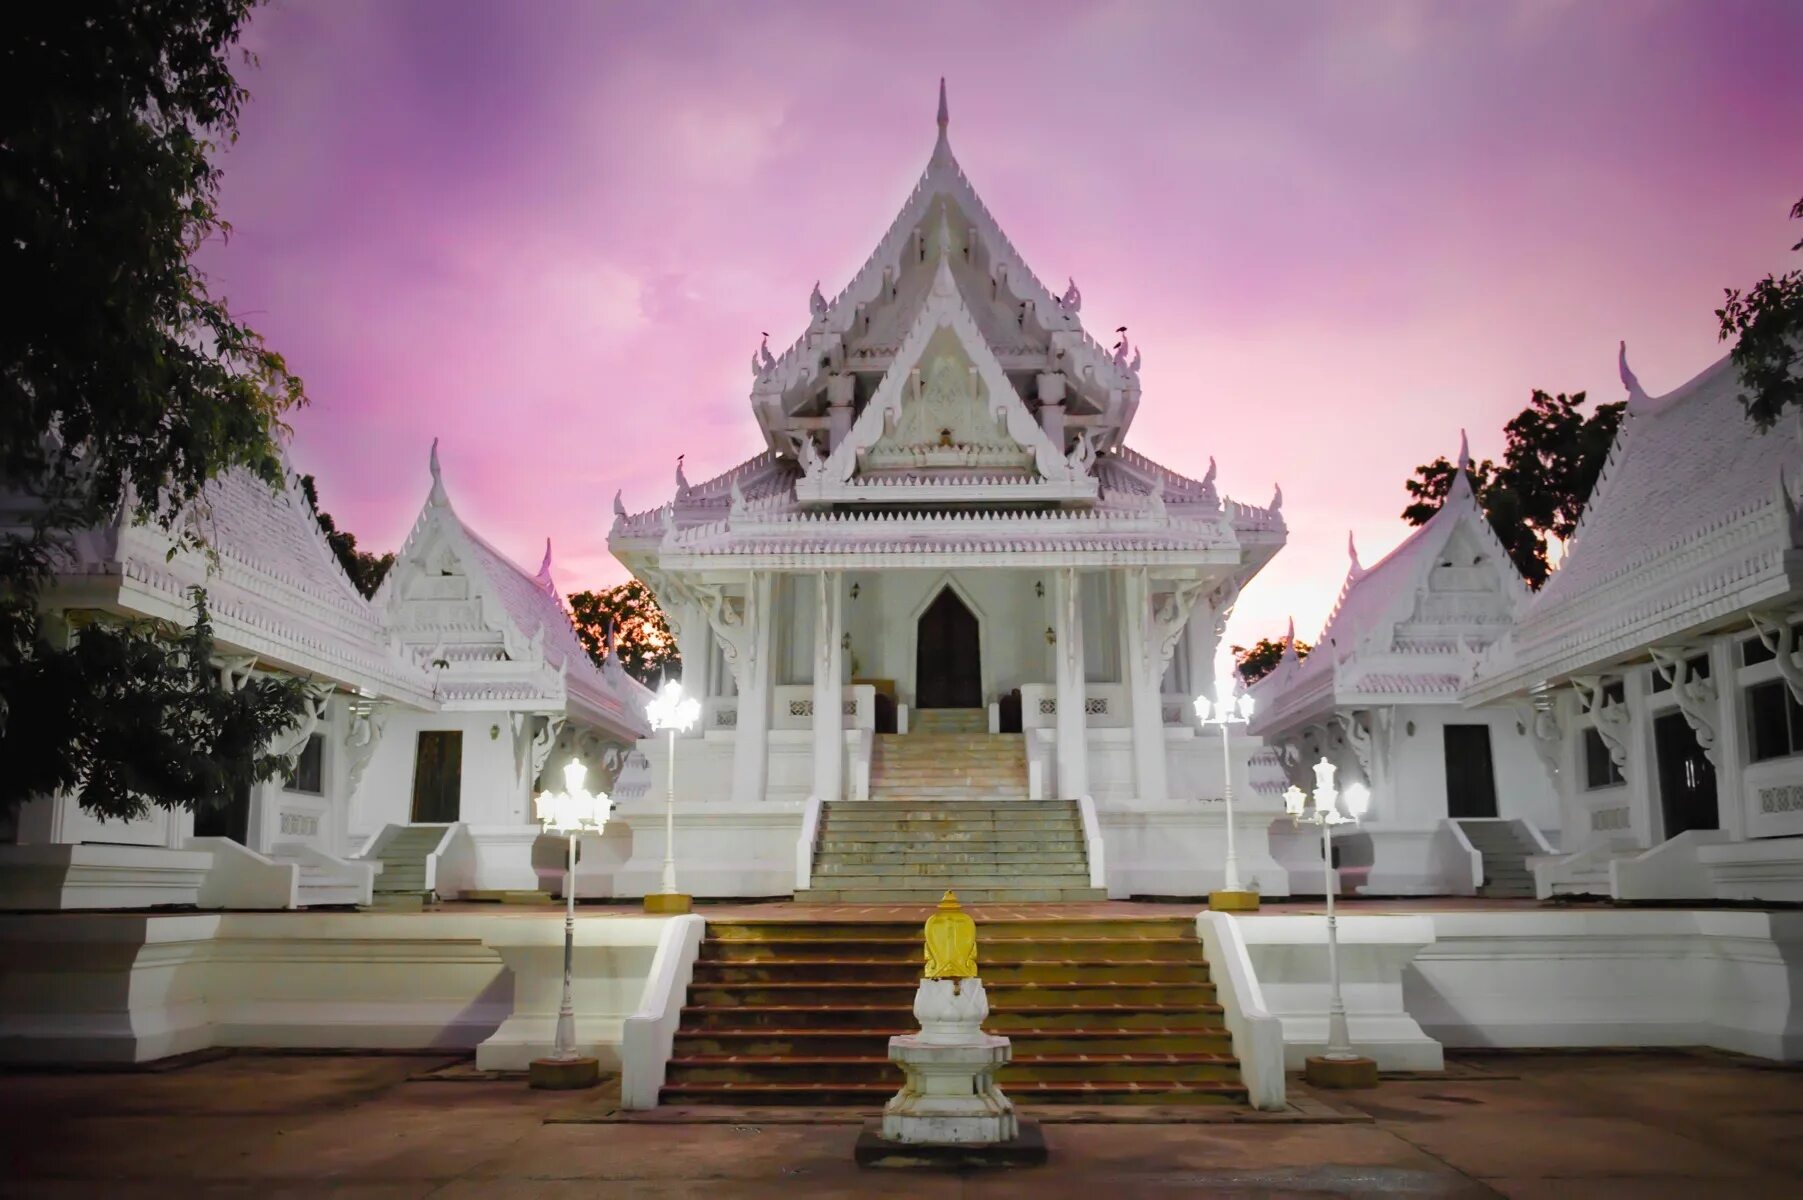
[[1686, 777], [1470, 773], [438, 776]]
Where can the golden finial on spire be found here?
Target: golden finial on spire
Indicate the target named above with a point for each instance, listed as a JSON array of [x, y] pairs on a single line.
[[951, 938]]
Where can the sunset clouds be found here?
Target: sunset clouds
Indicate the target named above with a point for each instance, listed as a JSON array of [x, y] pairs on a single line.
[[551, 234]]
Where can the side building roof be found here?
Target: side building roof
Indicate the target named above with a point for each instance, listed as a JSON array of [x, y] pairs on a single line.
[[1692, 523]]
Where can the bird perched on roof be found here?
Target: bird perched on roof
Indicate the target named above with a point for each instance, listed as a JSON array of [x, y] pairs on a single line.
[[1120, 348]]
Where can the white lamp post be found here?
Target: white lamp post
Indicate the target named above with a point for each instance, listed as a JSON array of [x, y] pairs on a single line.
[[1339, 1066], [1226, 710], [570, 812], [672, 711]]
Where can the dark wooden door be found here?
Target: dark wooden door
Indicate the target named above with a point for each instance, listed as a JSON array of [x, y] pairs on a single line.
[[438, 776], [1470, 775], [948, 658], [228, 820], [1686, 777]]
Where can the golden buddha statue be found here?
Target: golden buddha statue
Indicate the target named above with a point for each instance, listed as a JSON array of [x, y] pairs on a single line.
[[951, 938]]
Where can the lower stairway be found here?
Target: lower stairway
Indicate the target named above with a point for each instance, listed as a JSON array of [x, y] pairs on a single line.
[[1100, 1011], [1505, 847], [325, 882]]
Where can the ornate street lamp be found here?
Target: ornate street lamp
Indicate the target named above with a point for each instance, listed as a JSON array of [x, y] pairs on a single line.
[[1339, 1066], [1226, 710], [571, 812], [672, 711]]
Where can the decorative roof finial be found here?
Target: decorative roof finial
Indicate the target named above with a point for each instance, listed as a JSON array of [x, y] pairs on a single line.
[[1277, 500], [1289, 643], [817, 302], [1352, 552], [682, 481], [1464, 450], [1628, 380], [1208, 480], [945, 112], [544, 569], [1072, 300], [620, 505], [438, 493], [762, 361], [1121, 347]]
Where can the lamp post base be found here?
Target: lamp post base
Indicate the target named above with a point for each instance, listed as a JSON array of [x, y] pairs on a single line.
[[1234, 901], [1323, 1072], [669, 903], [563, 1074]]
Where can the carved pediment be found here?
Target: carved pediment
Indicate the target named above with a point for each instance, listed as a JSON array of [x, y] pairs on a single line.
[[946, 422]]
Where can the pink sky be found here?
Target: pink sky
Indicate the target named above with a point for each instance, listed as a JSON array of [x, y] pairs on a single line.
[[550, 234]]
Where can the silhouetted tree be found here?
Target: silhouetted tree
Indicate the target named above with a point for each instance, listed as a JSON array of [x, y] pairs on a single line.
[[641, 636], [365, 569], [1552, 456], [1261, 657], [124, 387], [1767, 325]]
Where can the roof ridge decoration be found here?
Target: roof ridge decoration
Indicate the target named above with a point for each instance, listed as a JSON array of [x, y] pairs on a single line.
[[943, 176], [945, 308]]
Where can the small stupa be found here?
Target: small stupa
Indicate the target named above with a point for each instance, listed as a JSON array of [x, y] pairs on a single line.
[[950, 1111]]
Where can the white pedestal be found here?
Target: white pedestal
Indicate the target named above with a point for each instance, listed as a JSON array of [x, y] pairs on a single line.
[[950, 1097]]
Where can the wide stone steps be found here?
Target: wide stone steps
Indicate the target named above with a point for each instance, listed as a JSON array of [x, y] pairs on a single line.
[[950, 720], [1100, 1011], [1505, 850], [403, 859]]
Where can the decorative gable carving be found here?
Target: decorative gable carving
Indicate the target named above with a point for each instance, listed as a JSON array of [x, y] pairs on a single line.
[[942, 437]]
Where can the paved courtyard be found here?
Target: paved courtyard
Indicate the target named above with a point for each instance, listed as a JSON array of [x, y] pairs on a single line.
[[398, 1126]]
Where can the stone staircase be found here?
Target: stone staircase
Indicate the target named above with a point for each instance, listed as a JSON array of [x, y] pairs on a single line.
[[948, 809], [1100, 1011], [912, 852], [1505, 847], [402, 881], [324, 882]]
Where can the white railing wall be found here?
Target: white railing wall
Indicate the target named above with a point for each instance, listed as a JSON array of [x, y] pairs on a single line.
[[648, 1036], [1257, 1034]]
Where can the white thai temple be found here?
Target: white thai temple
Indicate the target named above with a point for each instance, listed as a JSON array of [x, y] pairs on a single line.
[[431, 712], [1381, 697], [1660, 662], [945, 529], [1632, 730]]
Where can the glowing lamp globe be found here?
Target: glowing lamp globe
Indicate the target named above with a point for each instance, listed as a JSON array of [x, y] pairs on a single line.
[[1357, 799], [672, 710], [1294, 800]]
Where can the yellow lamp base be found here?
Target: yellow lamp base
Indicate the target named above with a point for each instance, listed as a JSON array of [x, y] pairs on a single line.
[[563, 1074], [1324, 1072], [669, 903], [1224, 901]]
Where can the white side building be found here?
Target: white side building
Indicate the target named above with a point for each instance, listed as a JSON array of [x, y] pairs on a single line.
[[479, 685], [1380, 696], [1661, 660]]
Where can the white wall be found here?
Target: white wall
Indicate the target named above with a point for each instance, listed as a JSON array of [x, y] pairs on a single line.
[[491, 791]]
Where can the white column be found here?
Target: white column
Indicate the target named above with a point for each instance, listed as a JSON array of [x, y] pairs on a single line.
[[1067, 624], [1144, 707], [751, 745], [1730, 737], [829, 724]]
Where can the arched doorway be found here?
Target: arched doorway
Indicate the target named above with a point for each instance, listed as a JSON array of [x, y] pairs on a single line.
[[948, 656]]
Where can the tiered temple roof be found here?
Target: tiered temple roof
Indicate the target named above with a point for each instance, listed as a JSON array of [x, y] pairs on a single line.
[[1407, 628], [1693, 522], [946, 405]]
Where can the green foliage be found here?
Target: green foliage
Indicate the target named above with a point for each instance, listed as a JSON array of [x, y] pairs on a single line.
[[1261, 657], [124, 387], [136, 715], [365, 569], [1553, 454], [1767, 325], [108, 114], [641, 636]]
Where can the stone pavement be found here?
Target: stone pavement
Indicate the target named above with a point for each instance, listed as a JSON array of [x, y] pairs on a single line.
[[398, 1126]]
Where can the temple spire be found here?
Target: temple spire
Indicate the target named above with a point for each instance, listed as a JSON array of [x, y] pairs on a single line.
[[438, 493], [544, 569], [945, 114]]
